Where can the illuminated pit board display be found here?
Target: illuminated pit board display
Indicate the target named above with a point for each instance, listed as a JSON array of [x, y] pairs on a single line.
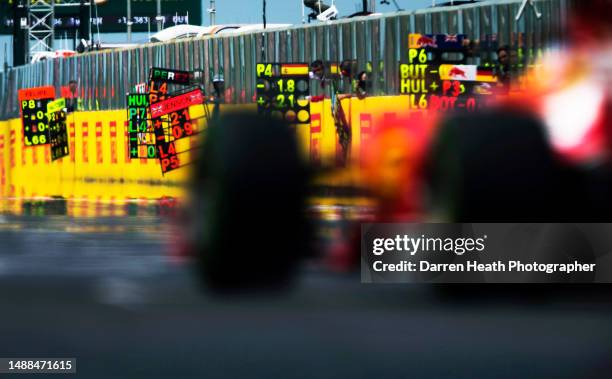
[[141, 141], [170, 117], [33, 106], [58, 131], [434, 81], [283, 90], [173, 122]]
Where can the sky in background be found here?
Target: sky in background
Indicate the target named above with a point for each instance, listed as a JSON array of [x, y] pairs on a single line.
[[290, 11]]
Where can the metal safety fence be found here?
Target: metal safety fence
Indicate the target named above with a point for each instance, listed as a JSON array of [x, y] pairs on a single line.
[[377, 43]]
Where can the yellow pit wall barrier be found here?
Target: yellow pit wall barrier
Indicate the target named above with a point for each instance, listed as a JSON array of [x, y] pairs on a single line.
[[99, 167]]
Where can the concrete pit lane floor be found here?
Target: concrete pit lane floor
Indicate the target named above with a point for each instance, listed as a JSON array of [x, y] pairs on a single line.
[[104, 291]]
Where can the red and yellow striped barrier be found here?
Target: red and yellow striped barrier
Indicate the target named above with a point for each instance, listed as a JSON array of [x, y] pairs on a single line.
[[99, 166]]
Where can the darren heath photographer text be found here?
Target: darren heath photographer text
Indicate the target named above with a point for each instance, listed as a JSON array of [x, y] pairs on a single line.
[[459, 246]]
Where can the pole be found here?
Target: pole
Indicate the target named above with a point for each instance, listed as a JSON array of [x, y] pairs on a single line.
[[263, 35], [129, 20], [213, 13], [264, 14], [159, 16], [91, 3], [365, 6], [19, 35], [6, 65]]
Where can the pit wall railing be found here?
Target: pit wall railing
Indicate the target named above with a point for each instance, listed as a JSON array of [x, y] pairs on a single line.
[[378, 44]]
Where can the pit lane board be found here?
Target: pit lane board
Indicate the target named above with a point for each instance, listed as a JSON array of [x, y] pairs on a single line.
[[33, 106], [58, 130], [283, 90], [169, 113], [433, 83]]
